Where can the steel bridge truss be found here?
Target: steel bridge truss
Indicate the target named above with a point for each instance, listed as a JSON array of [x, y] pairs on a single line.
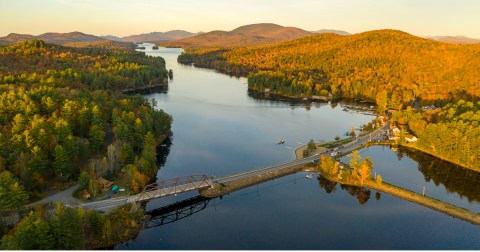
[[173, 186]]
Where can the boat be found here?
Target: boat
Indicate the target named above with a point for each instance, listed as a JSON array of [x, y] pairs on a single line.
[[309, 176], [280, 141]]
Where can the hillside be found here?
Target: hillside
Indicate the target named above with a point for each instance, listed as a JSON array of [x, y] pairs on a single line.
[[255, 34], [455, 39], [104, 44], [14, 38], [111, 37], [385, 64], [155, 37]]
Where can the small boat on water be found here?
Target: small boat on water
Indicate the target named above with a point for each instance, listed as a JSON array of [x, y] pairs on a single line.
[[280, 141], [309, 176]]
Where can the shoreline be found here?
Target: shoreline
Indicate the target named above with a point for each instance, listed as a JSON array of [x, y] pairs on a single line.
[[415, 148], [434, 204], [148, 89]]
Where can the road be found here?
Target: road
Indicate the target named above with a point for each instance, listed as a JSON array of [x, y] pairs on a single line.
[[108, 204], [347, 148], [63, 196]]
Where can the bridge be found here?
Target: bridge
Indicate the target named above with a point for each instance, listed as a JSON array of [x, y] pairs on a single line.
[[190, 183], [153, 191]]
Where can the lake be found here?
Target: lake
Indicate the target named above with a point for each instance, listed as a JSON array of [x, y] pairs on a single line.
[[221, 129]]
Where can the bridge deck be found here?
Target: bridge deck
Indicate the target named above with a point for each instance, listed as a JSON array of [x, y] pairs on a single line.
[[162, 192]]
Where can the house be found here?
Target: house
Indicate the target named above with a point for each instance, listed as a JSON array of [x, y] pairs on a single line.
[[395, 131], [410, 138], [104, 184]]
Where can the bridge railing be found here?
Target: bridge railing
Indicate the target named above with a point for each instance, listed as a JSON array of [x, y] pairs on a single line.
[[174, 185]]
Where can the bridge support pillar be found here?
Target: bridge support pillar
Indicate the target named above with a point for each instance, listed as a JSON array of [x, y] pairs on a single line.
[[134, 207]]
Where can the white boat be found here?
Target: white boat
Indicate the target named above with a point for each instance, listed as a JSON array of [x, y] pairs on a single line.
[[309, 176], [280, 141]]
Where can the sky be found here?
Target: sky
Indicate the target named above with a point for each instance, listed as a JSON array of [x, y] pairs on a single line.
[[128, 17]]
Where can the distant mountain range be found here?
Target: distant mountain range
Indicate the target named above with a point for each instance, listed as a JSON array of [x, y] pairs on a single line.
[[56, 38], [343, 33], [455, 39], [254, 34], [155, 37], [79, 37]]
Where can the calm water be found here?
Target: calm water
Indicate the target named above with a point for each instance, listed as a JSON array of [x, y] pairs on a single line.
[[220, 129]]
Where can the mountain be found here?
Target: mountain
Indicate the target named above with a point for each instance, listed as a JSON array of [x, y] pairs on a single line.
[[56, 38], [111, 37], [154, 37], [455, 39], [273, 31], [339, 32], [254, 34]]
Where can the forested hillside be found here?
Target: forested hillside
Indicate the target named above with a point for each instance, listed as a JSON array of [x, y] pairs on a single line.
[[388, 66], [60, 116], [40, 64]]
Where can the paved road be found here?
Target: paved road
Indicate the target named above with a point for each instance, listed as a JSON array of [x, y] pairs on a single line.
[[349, 147], [106, 205], [63, 196]]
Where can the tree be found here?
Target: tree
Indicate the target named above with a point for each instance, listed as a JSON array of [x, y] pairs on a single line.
[[96, 137], [401, 137], [92, 188], [12, 194], [147, 158], [107, 231], [382, 100], [355, 160], [364, 171], [62, 162], [84, 180], [67, 228], [311, 146], [32, 233], [352, 132], [379, 179]]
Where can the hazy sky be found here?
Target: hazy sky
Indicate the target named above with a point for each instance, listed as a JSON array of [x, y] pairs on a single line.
[[127, 17]]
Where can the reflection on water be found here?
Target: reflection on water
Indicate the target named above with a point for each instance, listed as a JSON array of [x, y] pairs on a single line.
[[362, 194], [175, 212], [455, 179], [422, 173]]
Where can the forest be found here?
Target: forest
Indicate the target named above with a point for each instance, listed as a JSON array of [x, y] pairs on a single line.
[[37, 63], [452, 132], [383, 64], [396, 70], [62, 119]]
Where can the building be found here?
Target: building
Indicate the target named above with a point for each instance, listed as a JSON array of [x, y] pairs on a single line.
[[410, 138]]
